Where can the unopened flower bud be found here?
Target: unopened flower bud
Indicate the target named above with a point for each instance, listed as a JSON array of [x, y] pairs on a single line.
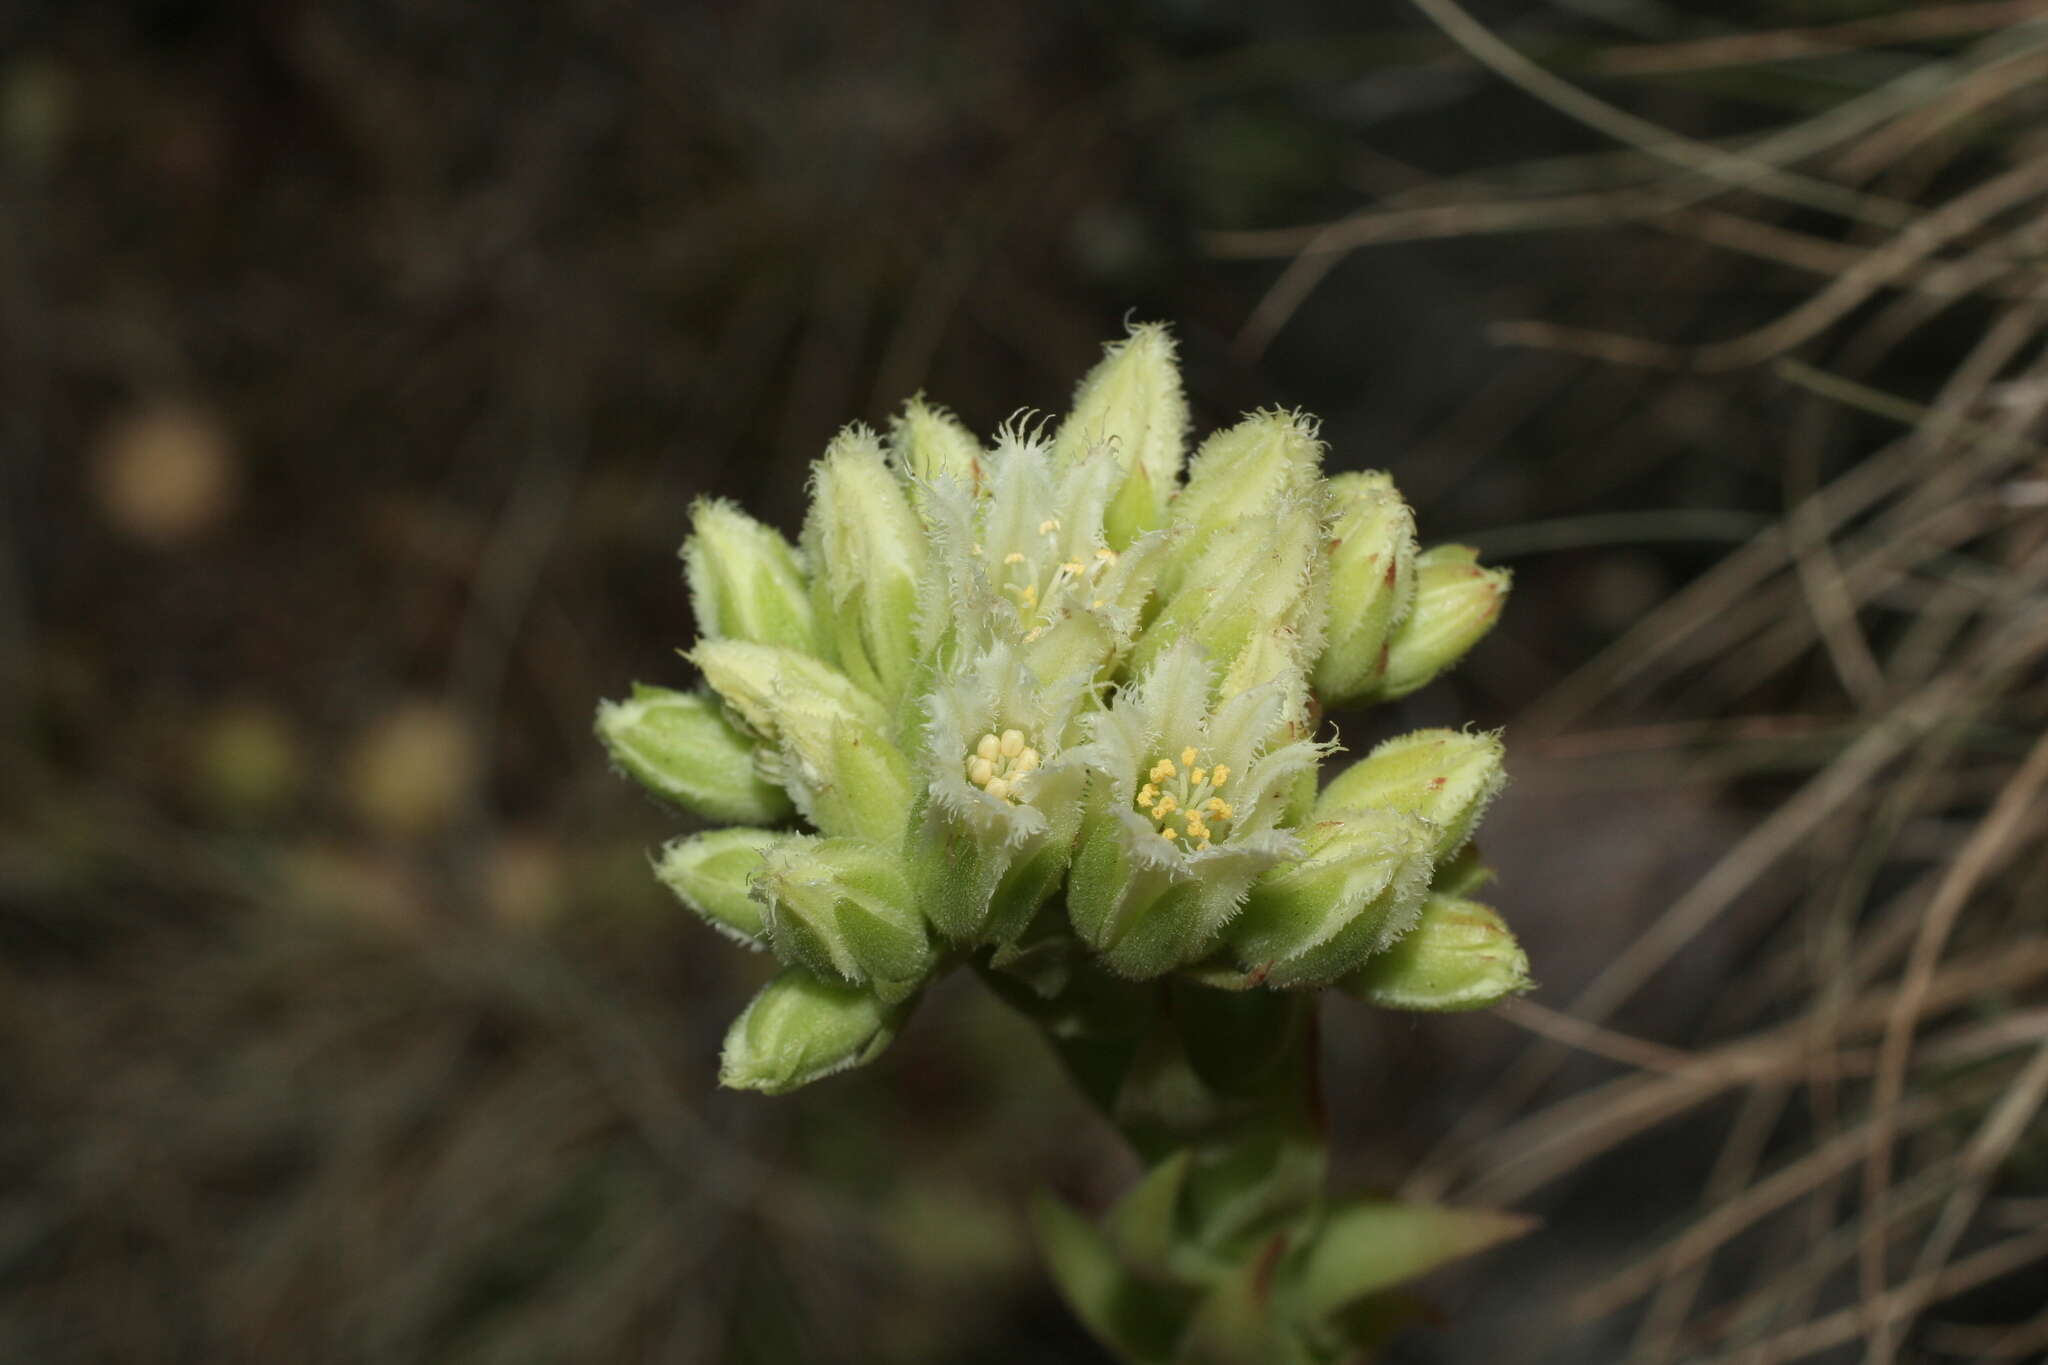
[[867, 553], [1247, 469], [842, 907], [680, 747], [710, 874], [829, 743], [1132, 403], [1257, 585], [1372, 583], [1459, 956], [929, 443], [745, 581], [1445, 776], [1456, 603], [800, 1029], [1358, 889]]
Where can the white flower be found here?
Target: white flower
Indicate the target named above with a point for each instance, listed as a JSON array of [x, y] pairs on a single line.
[[1186, 810]]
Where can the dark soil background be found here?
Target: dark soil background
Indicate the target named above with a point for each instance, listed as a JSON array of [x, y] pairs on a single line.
[[358, 365]]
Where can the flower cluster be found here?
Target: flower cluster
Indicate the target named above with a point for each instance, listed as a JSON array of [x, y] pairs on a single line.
[[1067, 687]]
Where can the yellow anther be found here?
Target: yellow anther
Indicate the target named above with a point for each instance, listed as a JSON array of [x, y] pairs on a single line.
[[1198, 777], [1168, 832], [1167, 806], [1031, 635], [1196, 829], [1162, 770], [1218, 775], [1073, 568], [975, 549], [1202, 843], [1219, 808], [998, 788], [988, 747], [979, 771], [1026, 762], [1012, 743], [1106, 555], [1147, 794], [1048, 526], [1014, 557], [1188, 756], [1096, 603]]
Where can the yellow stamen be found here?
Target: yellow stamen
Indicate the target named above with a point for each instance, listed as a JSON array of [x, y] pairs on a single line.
[[1219, 808], [997, 788], [1188, 757], [1198, 777], [1014, 557], [1167, 806], [1074, 568], [988, 747], [1147, 794], [1162, 770], [979, 771], [1030, 594], [1106, 555], [1168, 832], [1218, 775], [1012, 743], [1026, 762], [1048, 526]]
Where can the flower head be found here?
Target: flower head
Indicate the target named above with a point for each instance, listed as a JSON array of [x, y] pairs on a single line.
[[1187, 803]]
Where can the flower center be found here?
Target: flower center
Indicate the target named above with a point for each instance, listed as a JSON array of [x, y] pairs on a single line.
[[1040, 582], [999, 762], [1182, 799]]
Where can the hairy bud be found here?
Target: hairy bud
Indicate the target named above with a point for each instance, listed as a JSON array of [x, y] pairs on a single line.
[[1445, 776], [1456, 603], [745, 581], [1358, 888], [680, 747], [1459, 956], [842, 907], [1372, 584], [800, 1029], [867, 552], [710, 873], [1132, 403]]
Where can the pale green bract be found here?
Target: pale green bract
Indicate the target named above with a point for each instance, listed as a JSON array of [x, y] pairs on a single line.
[[1056, 702]]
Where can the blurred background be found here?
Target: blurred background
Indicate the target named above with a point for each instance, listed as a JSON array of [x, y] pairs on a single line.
[[358, 365]]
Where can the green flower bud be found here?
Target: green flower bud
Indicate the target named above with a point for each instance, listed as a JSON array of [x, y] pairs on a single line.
[[1456, 603], [1247, 469], [679, 746], [867, 553], [1255, 587], [842, 907], [800, 1029], [1372, 583], [1131, 403], [710, 874], [828, 742], [1459, 956], [745, 581], [1445, 776], [929, 443], [1358, 889]]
